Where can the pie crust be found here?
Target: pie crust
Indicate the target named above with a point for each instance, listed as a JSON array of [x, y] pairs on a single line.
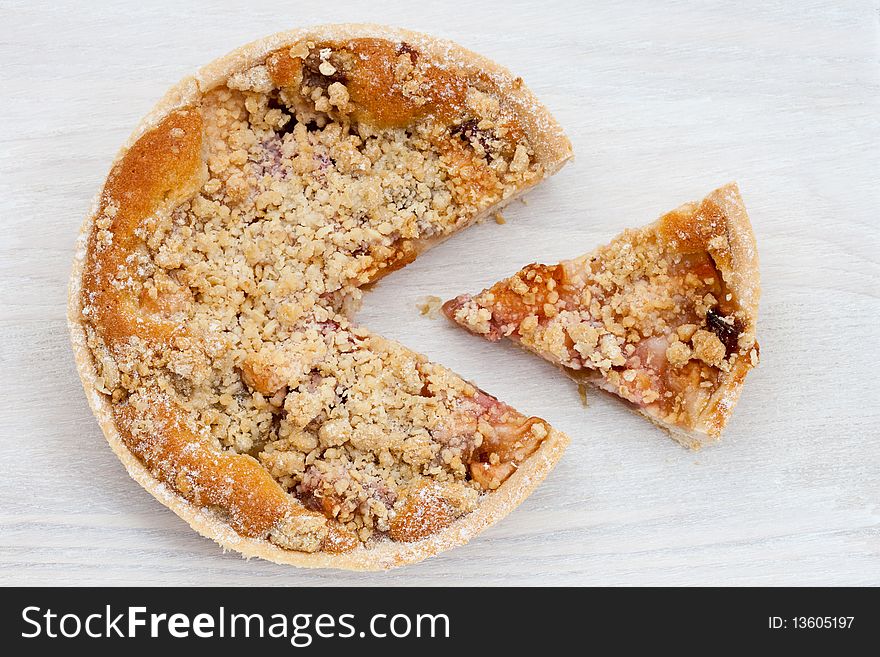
[[212, 291]]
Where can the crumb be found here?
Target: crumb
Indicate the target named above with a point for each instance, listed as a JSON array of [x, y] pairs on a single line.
[[678, 353], [708, 348], [582, 393], [429, 306]]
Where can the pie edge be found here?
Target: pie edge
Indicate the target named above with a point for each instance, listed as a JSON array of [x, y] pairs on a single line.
[[737, 261]]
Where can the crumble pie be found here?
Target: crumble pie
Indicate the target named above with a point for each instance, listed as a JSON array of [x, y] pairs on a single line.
[[213, 296]]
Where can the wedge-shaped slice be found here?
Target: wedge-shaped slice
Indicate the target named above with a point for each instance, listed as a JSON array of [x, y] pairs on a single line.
[[663, 316]]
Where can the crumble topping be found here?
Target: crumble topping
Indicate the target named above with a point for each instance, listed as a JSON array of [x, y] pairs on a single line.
[[325, 168]]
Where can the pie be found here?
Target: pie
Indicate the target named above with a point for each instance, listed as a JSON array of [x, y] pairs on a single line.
[[663, 316], [216, 280]]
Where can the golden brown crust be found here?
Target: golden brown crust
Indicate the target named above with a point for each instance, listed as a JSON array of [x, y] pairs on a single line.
[[251, 501], [160, 169], [163, 166], [720, 225], [552, 147], [663, 317], [738, 257], [367, 66]]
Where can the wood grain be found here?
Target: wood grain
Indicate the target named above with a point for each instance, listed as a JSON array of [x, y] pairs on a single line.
[[663, 102]]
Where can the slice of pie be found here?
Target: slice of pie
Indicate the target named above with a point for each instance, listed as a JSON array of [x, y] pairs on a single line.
[[663, 316], [213, 291]]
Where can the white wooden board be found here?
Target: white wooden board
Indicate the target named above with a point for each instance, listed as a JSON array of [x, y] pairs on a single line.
[[663, 102]]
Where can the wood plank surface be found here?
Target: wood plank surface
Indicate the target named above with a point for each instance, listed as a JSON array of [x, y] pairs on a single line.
[[663, 102]]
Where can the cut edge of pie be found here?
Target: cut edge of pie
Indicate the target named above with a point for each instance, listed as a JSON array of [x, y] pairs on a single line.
[[167, 129], [662, 317]]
